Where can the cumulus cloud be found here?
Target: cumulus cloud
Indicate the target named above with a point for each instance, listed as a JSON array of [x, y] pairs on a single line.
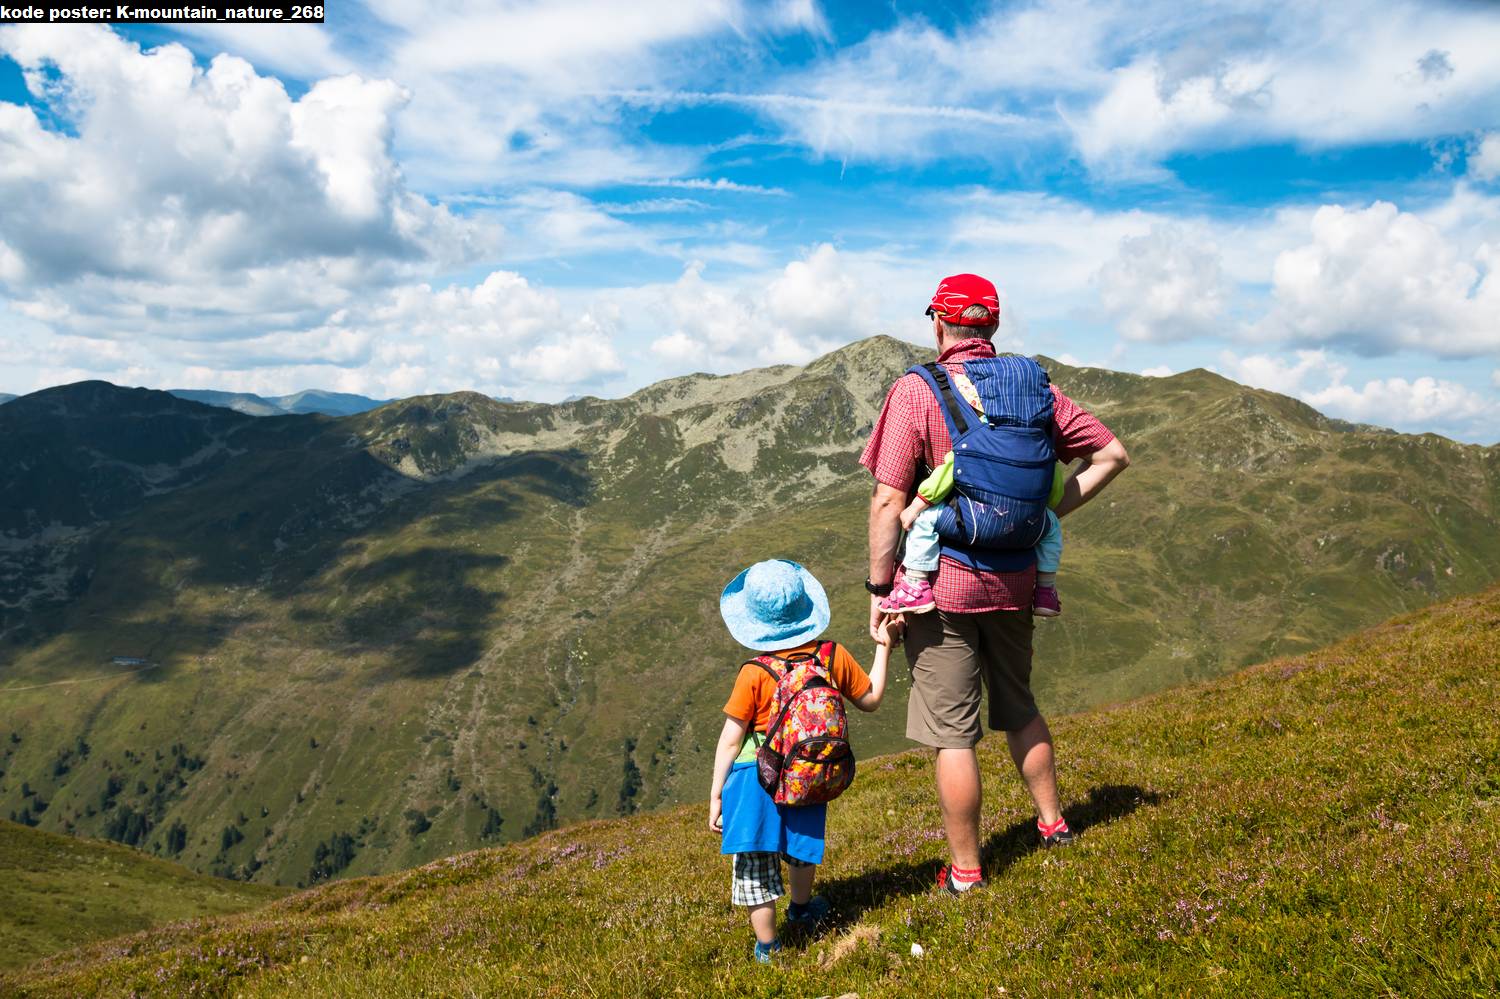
[[1411, 404], [1280, 374], [1422, 403], [1159, 371], [202, 225], [811, 306], [1423, 71], [1379, 280], [503, 335], [1164, 286], [203, 201], [1484, 162]]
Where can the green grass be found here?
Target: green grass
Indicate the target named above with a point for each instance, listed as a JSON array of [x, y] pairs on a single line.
[[1327, 825], [58, 892]]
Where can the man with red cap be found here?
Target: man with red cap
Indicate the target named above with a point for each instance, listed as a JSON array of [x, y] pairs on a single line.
[[980, 637]]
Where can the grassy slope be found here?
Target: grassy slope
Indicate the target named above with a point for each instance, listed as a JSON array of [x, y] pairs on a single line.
[[60, 891], [1327, 825], [340, 644]]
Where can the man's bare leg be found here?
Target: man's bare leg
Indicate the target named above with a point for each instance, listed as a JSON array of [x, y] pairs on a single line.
[[959, 796], [1031, 749]]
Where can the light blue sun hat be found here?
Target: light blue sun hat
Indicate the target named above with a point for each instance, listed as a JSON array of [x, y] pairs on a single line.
[[773, 605]]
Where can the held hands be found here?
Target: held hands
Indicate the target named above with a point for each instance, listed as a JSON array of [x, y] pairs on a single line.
[[885, 629], [889, 630], [716, 814]]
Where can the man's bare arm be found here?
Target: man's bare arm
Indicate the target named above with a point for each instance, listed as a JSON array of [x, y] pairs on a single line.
[[1083, 485], [886, 504]]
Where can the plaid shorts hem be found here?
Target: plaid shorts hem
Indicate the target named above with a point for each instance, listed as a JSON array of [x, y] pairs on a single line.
[[757, 877]]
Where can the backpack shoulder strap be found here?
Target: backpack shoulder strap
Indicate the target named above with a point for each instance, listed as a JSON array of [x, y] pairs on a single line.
[[761, 662], [936, 377], [775, 677]]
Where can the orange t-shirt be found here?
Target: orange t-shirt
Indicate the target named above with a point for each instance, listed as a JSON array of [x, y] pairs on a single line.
[[751, 697]]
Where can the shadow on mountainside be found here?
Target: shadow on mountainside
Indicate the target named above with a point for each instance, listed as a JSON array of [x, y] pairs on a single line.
[[852, 897], [360, 559]]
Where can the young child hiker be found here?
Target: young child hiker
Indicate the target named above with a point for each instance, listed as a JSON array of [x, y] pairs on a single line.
[[779, 609], [913, 594]]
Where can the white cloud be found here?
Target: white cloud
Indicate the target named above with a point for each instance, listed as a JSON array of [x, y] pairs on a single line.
[[205, 203], [1379, 280], [1164, 286], [1232, 74], [303, 51], [1416, 404], [1160, 371], [1484, 162], [811, 306], [715, 184], [1279, 374], [586, 357], [516, 93], [1129, 84], [1411, 404], [554, 41], [803, 15], [502, 335]]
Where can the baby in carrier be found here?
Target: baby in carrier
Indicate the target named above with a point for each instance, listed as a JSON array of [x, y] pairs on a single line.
[[913, 594]]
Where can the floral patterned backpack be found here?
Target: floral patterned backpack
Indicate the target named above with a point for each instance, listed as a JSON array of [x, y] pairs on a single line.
[[806, 758]]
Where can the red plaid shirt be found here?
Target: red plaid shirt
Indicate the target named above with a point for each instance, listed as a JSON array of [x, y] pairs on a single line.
[[911, 433]]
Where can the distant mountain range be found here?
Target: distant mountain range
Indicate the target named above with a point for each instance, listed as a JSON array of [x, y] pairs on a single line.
[[376, 639], [309, 401]]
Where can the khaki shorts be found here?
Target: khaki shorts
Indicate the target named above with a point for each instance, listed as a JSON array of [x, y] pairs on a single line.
[[951, 656]]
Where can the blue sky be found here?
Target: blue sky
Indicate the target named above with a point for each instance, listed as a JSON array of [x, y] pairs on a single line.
[[542, 199]]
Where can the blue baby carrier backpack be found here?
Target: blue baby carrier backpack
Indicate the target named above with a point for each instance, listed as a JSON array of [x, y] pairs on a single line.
[[1002, 462]]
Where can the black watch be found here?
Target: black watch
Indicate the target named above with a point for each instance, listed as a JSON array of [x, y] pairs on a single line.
[[879, 589]]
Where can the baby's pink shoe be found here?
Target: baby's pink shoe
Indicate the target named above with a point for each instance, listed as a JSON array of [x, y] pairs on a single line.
[[909, 597], [1045, 603]]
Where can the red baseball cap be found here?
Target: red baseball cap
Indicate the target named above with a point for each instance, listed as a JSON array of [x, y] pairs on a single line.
[[955, 294]]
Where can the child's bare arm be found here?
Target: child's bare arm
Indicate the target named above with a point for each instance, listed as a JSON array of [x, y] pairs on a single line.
[[730, 741], [888, 632]]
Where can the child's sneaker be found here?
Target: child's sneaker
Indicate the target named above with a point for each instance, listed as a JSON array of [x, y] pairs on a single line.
[[910, 598], [763, 952], [1045, 603]]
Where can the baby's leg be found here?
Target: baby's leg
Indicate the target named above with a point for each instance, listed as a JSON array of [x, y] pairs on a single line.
[[922, 546], [1049, 552]]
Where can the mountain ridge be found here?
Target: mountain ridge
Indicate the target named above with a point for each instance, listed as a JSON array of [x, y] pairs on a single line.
[[520, 598]]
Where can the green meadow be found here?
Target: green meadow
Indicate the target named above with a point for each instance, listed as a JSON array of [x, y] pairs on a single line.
[[1326, 824]]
